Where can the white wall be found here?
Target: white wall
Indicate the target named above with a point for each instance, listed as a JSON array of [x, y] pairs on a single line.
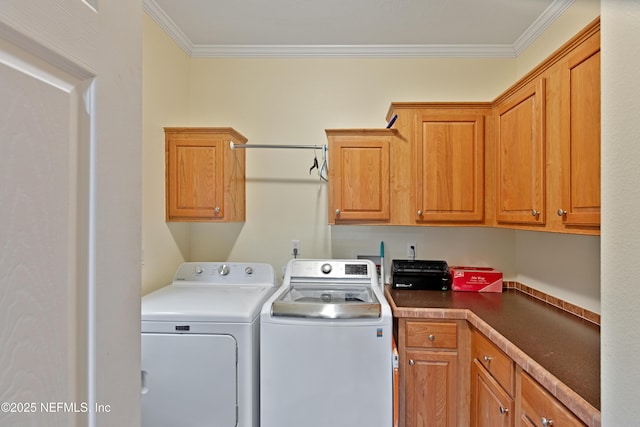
[[565, 266], [292, 101], [478, 246], [621, 204], [165, 101]]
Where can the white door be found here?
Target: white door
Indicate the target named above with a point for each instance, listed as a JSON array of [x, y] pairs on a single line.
[[70, 212], [189, 380]]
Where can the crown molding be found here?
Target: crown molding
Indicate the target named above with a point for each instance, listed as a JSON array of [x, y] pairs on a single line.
[[357, 51], [167, 24], [543, 22], [353, 51]]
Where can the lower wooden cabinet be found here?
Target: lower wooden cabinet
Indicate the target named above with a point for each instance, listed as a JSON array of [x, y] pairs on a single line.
[[491, 406], [539, 408], [495, 361], [431, 388], [492, 384], [451, 374], [428, 373]]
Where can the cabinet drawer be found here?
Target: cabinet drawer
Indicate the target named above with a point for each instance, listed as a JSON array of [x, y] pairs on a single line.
[[431, 334], [539, 404], [499, 365]]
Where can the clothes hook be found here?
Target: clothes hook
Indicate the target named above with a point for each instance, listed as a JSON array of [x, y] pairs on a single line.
[[324, 170], [315, 162]]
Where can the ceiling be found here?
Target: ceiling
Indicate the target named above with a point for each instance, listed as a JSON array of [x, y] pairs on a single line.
[[355, 28]]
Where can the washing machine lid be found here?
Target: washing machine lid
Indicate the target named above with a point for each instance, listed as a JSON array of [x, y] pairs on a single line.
[[327, 302], [205, 303]]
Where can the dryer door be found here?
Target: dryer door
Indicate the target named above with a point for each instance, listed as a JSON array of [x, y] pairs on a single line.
[[189, 380]]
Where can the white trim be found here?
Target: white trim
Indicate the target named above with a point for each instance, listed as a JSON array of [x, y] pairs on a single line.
[[351, 51], [89, 99], [382, 51], [167, 24], [543, 22]]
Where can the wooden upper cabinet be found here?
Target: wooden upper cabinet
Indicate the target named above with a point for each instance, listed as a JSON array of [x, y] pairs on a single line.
[[520, 163], [359, 174], [205, 179], [580, 135], [450, 167], [528, 160]]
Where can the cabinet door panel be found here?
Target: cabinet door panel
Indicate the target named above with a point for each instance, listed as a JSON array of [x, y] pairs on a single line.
[[491, 406], [205, 179], [196, 179], [431, 389], [581, 136], [537, 403], [520, 157], [450, 168], [359, 179]]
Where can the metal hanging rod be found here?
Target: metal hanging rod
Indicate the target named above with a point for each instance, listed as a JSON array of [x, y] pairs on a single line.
[[297, 147]]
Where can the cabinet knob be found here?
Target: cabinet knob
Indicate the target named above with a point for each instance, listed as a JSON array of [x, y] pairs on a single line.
[[431, 337], [420, 212], [487, 358], [561, 212], [411, 362], [337, 212], [217, 210], [535, 212], [546, 422], [503, 410]]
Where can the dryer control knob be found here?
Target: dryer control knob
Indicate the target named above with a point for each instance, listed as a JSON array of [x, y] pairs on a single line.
[[248, 270], [326, 268], [223, 270], [197, 270]]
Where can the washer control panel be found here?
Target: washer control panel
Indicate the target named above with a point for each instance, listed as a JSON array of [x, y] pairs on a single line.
[[331, 269]]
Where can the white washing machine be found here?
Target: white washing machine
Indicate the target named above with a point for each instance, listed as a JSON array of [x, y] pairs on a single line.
[[326, 348], [200, 346]]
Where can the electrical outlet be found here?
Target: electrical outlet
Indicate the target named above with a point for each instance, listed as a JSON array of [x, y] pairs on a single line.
[[412, 249], [295, 248]]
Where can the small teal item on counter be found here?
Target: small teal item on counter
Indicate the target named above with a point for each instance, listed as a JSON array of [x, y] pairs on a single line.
[[382, 265]]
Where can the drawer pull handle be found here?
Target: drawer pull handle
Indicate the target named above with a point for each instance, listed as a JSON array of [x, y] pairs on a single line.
[[546, 422], [411, 362], [487, 358], [503, 410], [431, 337]]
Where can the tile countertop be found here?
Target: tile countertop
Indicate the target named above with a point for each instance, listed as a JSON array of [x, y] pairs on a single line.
[[560, 350]]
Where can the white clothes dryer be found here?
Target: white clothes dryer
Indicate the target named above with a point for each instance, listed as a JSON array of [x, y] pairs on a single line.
[[200, 346]]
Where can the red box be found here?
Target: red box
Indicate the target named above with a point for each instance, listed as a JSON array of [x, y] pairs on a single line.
[[476, 279]]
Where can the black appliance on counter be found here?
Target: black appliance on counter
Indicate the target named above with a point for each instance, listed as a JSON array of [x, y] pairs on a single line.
[[420, 274]]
